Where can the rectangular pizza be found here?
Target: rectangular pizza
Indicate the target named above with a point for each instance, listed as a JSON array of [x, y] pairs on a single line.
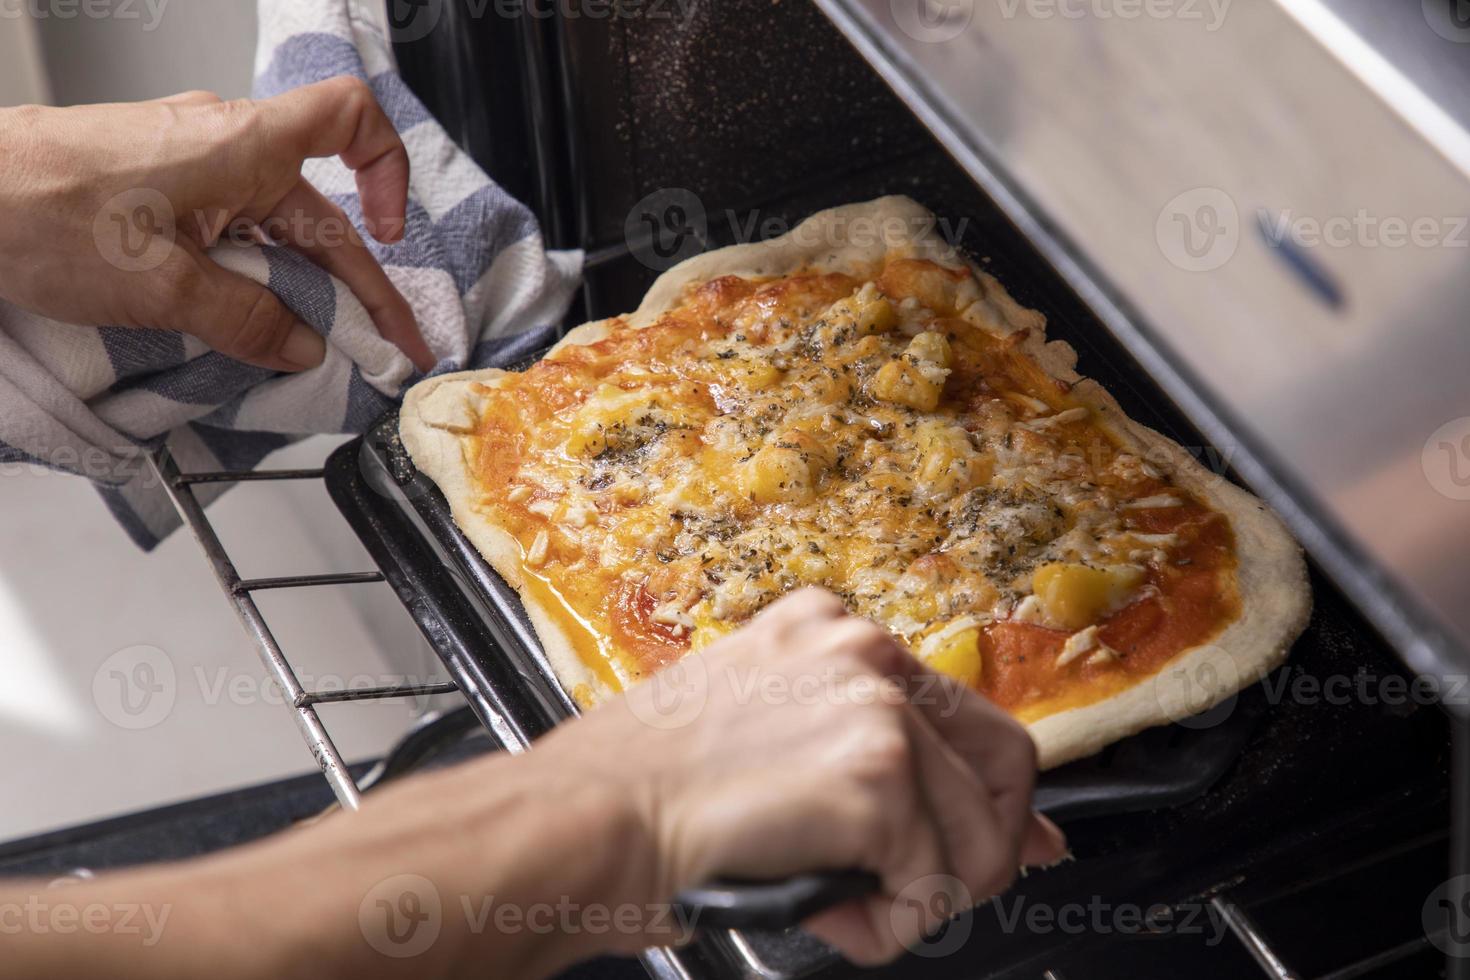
[[856, 406]]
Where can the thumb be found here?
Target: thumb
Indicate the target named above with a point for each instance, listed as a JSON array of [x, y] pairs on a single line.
[[240, 318]]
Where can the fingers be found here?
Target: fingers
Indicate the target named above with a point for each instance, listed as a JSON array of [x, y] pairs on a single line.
[[347, 258], [883, 764], [237, 317], [1044, 843], [993, 744], [982, 849], [340, 117]]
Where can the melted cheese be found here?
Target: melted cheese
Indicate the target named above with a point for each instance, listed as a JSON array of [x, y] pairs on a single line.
[[861, 435]]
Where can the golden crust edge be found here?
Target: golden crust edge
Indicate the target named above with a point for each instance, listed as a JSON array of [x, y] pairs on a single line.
[[439, 454], [1274, 593]]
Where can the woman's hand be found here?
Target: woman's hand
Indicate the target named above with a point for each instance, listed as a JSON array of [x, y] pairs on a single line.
[[812, 740], [109, 210], [809, 740]]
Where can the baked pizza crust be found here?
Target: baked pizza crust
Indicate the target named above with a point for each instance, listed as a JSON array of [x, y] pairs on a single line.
[[1275, 599]]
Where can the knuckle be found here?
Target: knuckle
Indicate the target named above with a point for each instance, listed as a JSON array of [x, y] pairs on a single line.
[[861, 819], [850, 635], [235, 123], [259, 332], [990, 868], [1026, 757], [350, 89], [884, 753], [810, 603], [1014, 746], [871, 646]]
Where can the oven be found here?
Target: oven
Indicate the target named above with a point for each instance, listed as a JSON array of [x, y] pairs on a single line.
[[1140, 179], [1066, 144], [1147, 179]]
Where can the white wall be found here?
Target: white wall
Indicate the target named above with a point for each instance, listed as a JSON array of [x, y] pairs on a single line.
[[146, 48], [77, 600], [22, 75]]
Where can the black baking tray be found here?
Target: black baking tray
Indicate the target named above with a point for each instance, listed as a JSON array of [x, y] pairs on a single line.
[[477, 625]]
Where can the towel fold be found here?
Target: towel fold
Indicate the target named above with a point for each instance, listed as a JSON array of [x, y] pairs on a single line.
[[93, 401]]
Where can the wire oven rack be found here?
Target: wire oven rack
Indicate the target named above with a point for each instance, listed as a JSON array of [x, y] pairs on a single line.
[[241, 594], [659, 963]]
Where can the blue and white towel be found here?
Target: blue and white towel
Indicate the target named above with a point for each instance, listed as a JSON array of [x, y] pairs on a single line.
[[471, 264]]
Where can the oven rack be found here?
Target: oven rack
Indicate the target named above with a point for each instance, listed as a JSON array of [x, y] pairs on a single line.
[[659, 963], [241, 595]]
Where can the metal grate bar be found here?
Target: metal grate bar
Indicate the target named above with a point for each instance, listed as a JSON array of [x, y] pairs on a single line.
[[240, 476], [307, 581], [1251, 937], [1378, 961], [375, 693], [178, 487]]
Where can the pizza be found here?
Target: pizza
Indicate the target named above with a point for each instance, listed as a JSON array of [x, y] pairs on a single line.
[[856, 406]]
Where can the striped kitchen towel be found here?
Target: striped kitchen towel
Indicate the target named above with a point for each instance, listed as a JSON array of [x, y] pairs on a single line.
[[472, 265]]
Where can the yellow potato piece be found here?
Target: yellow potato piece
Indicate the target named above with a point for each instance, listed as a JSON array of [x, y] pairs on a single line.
[[959, 657], [777, 475], [588, 439], [706, 631], [932, 347], [1076, 596], [756, 373], [867, 310], [902, 383]]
